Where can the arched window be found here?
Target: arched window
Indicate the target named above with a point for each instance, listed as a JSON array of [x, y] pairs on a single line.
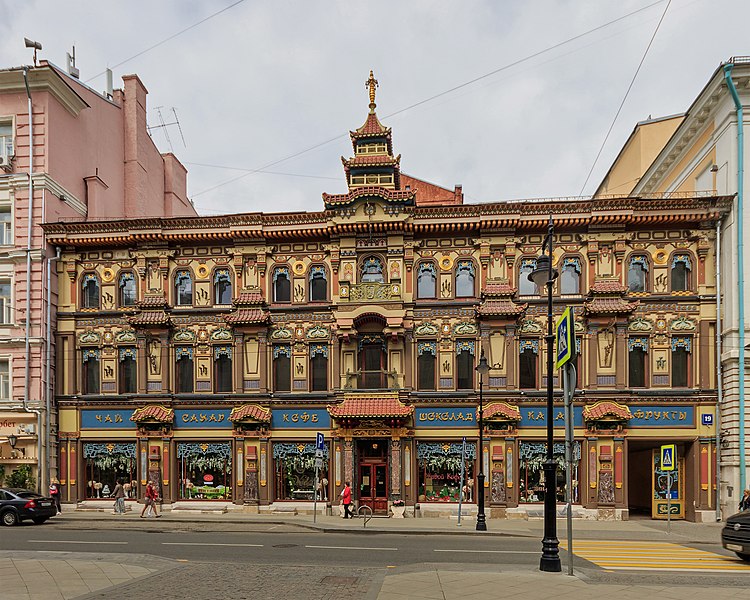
[[426, 360], [465, 279], [372, 270], [91, 371], [183, 287], [90, 288], [282, 286], [185, 370], [318, 285], [426, 280], [570, 276], [638, 274], [127, 289], [680, 273], [526, 287], [282, 368], [222, 368], [222, 287], [128, 375], [318, 367]]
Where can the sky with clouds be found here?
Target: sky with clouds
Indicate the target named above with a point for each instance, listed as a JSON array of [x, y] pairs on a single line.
[[277, 84]]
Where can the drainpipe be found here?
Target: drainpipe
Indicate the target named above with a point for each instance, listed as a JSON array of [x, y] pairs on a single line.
[[48, 388], [27, 334], [740, 266], [717, 441]]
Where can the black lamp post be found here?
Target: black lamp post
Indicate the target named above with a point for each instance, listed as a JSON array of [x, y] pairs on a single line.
[[543, 274], [482, 369]]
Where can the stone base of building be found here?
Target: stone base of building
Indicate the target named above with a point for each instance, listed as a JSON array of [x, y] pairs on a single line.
[[705, 516], [104, 505], [297, 508], [442, 510], [536, 511]]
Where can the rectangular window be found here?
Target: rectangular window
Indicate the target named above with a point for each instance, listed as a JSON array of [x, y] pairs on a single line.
[[4, 380], [6, 226], [319, 367], [222, 370], [527, 361], [464, 365], [282, 369], [636, 367], [128, 372], [184, 371], [426, 371], [91, 375], [6, 311], [680, 367], [6, 140]]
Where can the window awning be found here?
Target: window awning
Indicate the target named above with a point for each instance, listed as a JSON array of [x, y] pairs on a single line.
[[154, 412], [250, 411], [606, 410]]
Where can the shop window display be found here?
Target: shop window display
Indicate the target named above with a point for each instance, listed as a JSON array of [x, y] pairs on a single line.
[[295, 471], [205, 470], [105, 463], [531, 462], [439, 466]]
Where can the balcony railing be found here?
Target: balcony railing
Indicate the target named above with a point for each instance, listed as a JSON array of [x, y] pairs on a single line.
[[372, 380], [366, 292]]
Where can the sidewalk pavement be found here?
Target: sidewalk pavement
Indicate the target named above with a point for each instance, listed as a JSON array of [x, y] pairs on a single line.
[[682, 532]]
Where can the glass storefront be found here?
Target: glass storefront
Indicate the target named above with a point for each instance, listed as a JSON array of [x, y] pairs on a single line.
[[439, 466], [531, 462], [205, 470], [295, 471], [104, 464]]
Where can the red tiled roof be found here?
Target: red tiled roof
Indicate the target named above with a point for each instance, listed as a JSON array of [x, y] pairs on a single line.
[[371, 160], [247, 315], [152, 300], [150, 317], [499, 308], [371, 126], [385, 194], [370, 406], [249, 297], [606, 408], [610, 306], [498, 290], [501, 410], [608, 286], [250, 411], [154, 412]]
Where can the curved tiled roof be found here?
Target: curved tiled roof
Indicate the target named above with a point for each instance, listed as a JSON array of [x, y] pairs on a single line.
[[361, 407], [153, 412], [247, 316], [500, 308], [610, 306], [381, 160], [604, 409], [249, 298], [501, 410], [403, 196], [150, 317], [250, 411], [371, 127]]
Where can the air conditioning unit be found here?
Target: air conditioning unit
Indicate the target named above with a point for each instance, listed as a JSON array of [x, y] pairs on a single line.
[[5, 161]]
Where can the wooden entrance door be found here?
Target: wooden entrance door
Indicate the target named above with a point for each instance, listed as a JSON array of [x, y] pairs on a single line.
[[373, 486]]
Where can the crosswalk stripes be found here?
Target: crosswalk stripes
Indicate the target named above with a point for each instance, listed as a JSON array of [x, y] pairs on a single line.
[[653, 556]]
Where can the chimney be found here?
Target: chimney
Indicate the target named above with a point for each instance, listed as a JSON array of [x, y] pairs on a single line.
[[109, 89]]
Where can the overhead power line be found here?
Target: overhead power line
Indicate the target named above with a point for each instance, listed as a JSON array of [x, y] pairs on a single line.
[[439, 95], [625, 97]]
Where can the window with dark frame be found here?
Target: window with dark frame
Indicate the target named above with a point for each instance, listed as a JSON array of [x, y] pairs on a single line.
[[680, 276], [318, 285], [90, 291], [372, 362], [282, 368], [637, 354], [222, 287], [465, 364], [128, 374], [426, 281], [318, 368], [91, 371], [465, 279], [372, 270], [183, 284], [570, 276], [638, 274], [127, 289], [527, 364], [185, 370], [282, 286], [426, 362], [222, 369], [681, 347]]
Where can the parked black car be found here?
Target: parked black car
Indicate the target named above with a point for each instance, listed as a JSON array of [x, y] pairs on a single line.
[[736, 535], [18, 505]]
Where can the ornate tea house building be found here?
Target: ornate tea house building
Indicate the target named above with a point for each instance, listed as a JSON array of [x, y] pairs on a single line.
[[204, 354]]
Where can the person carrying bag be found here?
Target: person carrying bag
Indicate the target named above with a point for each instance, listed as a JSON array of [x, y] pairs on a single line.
[[346, 500]]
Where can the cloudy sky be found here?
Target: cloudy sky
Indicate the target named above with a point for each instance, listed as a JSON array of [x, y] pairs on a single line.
[[276, 85]]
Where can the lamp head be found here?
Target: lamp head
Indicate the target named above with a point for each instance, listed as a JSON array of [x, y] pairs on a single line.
[[483, 367], [12, 440], [32, 44], [541, 273]]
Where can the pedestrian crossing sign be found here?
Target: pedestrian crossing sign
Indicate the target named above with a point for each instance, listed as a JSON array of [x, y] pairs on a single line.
[[668, 452]]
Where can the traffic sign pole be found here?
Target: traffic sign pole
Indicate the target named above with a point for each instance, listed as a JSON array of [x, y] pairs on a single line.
[[569, 385], [319, 446], [669, 502]]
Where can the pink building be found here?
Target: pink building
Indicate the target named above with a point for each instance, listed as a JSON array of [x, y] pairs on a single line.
[[92, 158]]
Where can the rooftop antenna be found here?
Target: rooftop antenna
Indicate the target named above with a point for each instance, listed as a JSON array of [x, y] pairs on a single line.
[[35, 45], [163, 125], [110, 87], [72, 64]]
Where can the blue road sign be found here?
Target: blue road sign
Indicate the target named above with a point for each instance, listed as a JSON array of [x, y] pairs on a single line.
[[564, 337], [320, 443], [668, 452]]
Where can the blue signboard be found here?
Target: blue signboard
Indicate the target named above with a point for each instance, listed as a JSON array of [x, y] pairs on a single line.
[[662, 416], [465, 416], [707, 419], [537, 416], [320, 441], [107, 419], [309, 418], [202, 418]]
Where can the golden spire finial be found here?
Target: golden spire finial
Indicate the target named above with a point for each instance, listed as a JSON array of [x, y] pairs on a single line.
[[372, 83]]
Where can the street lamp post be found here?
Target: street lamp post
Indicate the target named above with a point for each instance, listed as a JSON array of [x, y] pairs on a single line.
[[482, 369], [543, 274], [12, 440]]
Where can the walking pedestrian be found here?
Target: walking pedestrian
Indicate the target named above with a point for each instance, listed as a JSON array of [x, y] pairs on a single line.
[[54, 492], [150, 501], [745, 501], [119, 496], [346, 500]]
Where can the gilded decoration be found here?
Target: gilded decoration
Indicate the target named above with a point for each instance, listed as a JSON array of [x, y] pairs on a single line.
[[426, 329], [282, 333], [640, 324], [184, 335], [108, 275], [125, 337], [530, 326], [89, 337], [465, 328], [682, 323], [318, 333]]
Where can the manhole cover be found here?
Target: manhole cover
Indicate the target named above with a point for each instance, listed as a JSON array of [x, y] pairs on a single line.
[[333, 580], [285, 545]]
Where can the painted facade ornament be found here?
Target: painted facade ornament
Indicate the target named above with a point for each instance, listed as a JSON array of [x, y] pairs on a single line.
[[348, 273], [317, 333], [126, 336], [682, 323], [640, 324], [183, 335], [221, 335], [465, 329], [89, 337], [281, 334], [395, 270], [530, 326], [426, 329], [154, 356]]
